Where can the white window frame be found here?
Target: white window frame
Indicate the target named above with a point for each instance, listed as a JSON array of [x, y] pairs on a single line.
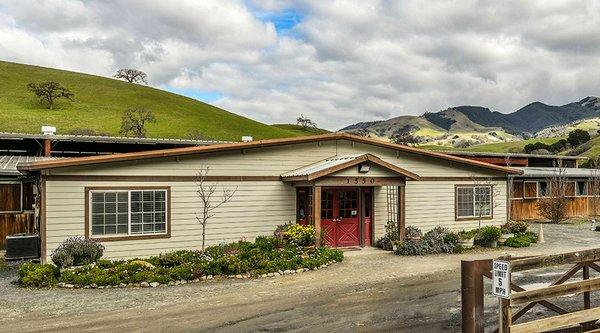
[[474, 216], [11, 182], [129, 235]]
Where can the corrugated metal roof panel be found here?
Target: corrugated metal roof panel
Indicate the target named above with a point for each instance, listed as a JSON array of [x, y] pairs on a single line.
[[533, 172], [8, 163], [319, 166]]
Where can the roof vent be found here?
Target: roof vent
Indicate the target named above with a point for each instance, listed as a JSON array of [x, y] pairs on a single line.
[[246, 138], [48, 130]]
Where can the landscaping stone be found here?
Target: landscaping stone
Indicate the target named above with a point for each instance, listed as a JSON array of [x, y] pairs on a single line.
[[93, 285], [122, 285], [239, 276], [68, 285], [101, 287], [144, 284], [300, 270], [209, 277], [276, 274], [154, 284]]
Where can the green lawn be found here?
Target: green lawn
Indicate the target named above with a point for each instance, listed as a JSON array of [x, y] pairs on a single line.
[[100, 102]]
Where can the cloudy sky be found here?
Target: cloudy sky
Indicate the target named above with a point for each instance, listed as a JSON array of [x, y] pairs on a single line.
[[337, 62]]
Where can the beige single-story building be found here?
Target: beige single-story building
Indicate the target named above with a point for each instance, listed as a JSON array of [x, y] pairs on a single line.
[[145, 203]]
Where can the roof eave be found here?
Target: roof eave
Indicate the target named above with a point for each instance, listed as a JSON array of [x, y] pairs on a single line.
[[34, 166]]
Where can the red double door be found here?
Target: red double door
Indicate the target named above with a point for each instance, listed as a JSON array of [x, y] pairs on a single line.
[[340, 217]]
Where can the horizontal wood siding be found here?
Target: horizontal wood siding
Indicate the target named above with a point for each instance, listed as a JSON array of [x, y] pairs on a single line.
[[431, 203], [15, 224], [256, 209]]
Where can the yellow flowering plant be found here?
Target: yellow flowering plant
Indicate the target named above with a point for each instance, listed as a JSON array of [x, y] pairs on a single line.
[[303, 235]]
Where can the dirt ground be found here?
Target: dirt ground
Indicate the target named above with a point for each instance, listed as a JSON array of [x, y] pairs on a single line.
[[371, 290]]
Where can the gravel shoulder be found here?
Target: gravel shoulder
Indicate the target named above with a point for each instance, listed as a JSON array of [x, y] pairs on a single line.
[[369, 290]]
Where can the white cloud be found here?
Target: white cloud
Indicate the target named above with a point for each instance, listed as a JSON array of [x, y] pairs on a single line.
[[346, 61]]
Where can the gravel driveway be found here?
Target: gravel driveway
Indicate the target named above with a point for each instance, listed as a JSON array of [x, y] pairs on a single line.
[[370, 290]]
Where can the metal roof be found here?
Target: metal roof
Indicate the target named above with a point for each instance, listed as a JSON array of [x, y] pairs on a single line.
[[540, 172], [8, 163], [108, 139], [322, 165], [255, 144], [479, 153], [338, 163]]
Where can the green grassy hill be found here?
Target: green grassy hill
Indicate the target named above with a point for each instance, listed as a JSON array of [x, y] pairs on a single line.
[[501, 147], [100, 102], [299, 130]]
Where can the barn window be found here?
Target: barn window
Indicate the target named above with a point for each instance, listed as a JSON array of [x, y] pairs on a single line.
[[582, 188], [128, 212], [543, 188], [530, 189], [11, 197], [473, 201]]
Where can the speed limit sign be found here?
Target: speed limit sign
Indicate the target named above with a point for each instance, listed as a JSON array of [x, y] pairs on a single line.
[[501, 278]]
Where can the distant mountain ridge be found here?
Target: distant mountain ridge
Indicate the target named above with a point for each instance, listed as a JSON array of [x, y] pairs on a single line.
[[479, 121]]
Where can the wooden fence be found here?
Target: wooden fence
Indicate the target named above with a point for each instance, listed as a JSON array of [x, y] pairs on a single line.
[[526, 209], [472, 292], [14, 224]]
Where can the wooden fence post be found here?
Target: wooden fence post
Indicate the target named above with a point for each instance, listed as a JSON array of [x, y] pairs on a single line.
[[471, 296], [505, 316]]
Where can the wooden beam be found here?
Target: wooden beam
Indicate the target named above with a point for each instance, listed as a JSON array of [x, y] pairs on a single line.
[[401, 212], [554, 260], [317, 213], [555, 291], [555, 322]]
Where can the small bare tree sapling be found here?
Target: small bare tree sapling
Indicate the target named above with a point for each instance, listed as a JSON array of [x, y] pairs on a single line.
[[48, 92], [131, 75], [134, 122], [484, 188], [554, 205], [210, 202]]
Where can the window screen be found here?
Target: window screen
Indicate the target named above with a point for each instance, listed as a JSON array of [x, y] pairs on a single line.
[[128, 212], [473, 201]]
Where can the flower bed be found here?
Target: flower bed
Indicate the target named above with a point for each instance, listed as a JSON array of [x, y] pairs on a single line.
[[267, 256]]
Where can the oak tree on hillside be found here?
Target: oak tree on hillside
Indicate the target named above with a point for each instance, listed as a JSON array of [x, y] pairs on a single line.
[[305, 122], [134, 122], [131, 75], [48, 92]]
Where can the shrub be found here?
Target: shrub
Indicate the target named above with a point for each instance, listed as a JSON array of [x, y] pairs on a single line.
[[518, 241], [302, 235], [413, 232], [437, 240], [487, 234], [390, 237], [464, 235], [77, 251], [515, 227], [38, 275]]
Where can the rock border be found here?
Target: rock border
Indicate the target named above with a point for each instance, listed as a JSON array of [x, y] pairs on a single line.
[[204, 278]]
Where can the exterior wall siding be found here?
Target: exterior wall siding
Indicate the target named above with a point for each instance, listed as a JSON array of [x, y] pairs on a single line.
[[256, 209], [258, 206]]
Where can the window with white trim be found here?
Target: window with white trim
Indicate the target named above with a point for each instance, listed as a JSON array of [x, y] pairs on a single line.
[[473, 201], [128, 212], [582, 188]]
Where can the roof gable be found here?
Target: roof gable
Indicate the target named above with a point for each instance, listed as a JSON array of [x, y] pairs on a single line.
[[339, 163]]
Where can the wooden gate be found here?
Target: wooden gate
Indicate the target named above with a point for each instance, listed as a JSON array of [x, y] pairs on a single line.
[[15, 224], [522, 301]]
